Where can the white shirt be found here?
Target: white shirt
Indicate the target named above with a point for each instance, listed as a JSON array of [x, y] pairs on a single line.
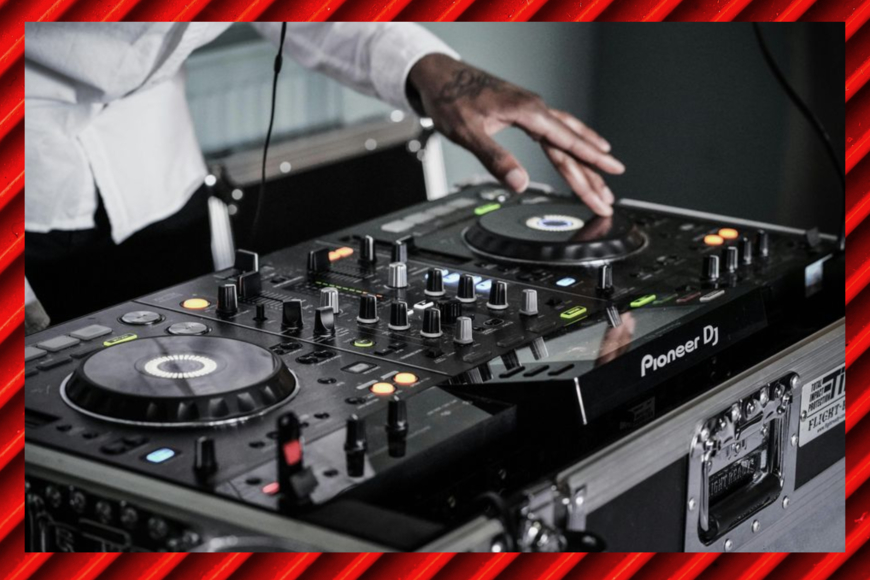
[[105, 109]]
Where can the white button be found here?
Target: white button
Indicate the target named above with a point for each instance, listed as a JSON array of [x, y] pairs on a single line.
[[711, 296], [58, 343], [397, 226], [91, 332]]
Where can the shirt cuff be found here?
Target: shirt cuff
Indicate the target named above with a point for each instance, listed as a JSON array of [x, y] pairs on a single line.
[[394, 52]]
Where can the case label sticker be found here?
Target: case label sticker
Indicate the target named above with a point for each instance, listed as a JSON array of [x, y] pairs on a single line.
[[823, 404]]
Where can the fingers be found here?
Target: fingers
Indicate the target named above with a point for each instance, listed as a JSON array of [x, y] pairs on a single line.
[[587, 184], [581, 129], [497, 160], [540, 123]]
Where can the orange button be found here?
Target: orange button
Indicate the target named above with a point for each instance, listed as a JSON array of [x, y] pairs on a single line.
[[345, 252], [405, 379], [729, 233], [382, 389], [713, 240], [196, 303], [333, 256]]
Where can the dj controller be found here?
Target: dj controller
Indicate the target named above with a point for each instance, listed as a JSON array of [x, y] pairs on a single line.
[[408, 383]]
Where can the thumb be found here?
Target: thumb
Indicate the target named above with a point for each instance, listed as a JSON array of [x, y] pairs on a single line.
[[498, 161]]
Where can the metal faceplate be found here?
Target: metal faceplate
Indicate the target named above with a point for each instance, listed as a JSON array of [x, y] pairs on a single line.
[[742, 467]]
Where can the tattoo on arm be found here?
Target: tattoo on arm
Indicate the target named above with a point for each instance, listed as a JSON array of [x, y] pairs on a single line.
[[467, 82]]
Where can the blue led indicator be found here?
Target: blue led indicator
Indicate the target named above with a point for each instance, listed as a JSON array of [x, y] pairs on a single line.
[[160, 455], [565, 282], [451, 278], [484, 286]]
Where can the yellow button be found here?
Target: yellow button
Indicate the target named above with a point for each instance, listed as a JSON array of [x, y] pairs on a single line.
[[643, 301], [345, 252], [363, 343], [196, 304], [729, 233], [333, 256], [382, 389], [405, 378], [713, 240], [119, 339], [573, 313]]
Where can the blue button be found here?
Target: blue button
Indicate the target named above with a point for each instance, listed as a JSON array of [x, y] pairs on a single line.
[[565, 282], [451, 278], [160, 455], [484, 286]]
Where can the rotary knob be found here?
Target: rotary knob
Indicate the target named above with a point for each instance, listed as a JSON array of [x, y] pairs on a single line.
[[324, 322], [368, 309], [431, 323], [466, 292], [400, 251], [329, 297], [291, 314], [398, 275], [355, 445], [498, 296], [228, 301], [434, 282], [731, 258], [450, 310], [462, 333], [530, 303], [399, 316], [605, 279], [762, 240], [318, 260], [711, 268], [745, 251], [397, 426], [367, 251]]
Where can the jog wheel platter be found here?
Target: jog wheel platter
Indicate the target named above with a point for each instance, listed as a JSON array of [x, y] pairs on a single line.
[[180, 381], [557, 234]]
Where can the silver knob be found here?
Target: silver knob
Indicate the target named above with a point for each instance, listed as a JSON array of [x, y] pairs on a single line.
[[398, 275], [462, 331], [329, 297], [530, 303]]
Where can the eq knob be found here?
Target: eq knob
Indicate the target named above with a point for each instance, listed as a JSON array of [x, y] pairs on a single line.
[[762, 241], [498, 296], [451, 309], [397, 277], [466, 292], [397, 426], [431, 323], [399, 316], [605, 279], [367, 251], [400, 251], [711, 268], [324, 322], [530, 303], [228, 300], [329, 297], [291, 314], [368, 309], [745, 251], [318, 260], [462, 332], [731, 258], [434, 282], [204, 458], [355, 445]]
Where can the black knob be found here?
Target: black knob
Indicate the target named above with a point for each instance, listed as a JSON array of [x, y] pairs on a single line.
[[745, 251], [295, 482], [730, 256], [260, 315], [355, 445], [605, 279], [228, 300], [434, 282], [291, 315], [762, 240], [324, 322], [367, 253], [205, 459], [431, 323], [451, 309], [466, 291], [400, 251], [399, 316], [711, 268], [498, 296], [397, 427], [318, 260], [368, 309]]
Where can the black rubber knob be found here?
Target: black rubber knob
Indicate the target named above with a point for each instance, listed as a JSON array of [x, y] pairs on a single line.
[[318, 260], [397, 427], [228, 300], [434, 282], [260, 315], [324, 322], [399, 316], [450, 310], [205, 459], [368, 309], [731, 259], [466, 291], [431, 323], [367, 253], [355, 445], [498, 296], [291, 314], [400, 251], [711, 268], [745, 251], [762, 241]]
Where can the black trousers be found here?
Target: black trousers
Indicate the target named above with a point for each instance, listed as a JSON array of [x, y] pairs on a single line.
[[74, 273]]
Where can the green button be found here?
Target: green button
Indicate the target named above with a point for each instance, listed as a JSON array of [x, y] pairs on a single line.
[[119, 339], [486, 208], [363, 343], [643, 301], [573, 313]]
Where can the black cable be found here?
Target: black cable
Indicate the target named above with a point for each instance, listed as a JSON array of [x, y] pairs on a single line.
[[809, 116], [279, 60]]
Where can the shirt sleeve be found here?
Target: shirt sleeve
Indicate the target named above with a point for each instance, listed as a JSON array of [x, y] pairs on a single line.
[[372, 58]]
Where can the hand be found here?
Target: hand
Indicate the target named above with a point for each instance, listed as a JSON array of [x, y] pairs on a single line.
[[469, 105]]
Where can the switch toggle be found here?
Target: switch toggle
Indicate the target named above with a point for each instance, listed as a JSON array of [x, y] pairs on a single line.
[[291, 314], [324, 322]]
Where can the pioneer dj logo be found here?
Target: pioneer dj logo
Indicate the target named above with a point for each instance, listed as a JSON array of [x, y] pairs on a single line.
[[709, 336]]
